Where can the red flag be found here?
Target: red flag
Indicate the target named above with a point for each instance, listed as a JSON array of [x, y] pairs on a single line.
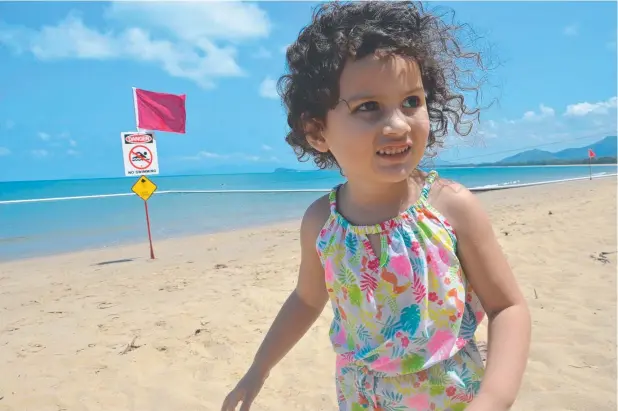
[[591, 153], [160, 111]]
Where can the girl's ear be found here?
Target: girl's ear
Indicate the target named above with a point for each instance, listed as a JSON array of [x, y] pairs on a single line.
[[314, 135]]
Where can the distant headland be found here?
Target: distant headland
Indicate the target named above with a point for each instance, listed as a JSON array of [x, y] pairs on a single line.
[[605, 151]]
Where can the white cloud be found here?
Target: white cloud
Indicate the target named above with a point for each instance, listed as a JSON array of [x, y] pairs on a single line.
[[571, 30], [68, 39], [552, 129], [485, 134], [184, 39], [72, 152], [59, 140], [40, 153], [544, 112], [9, 124], [266, 147], [194, 21], [585, 108], [65, 135], [4, 151], [268, 88], [262, 53], [487, 129]]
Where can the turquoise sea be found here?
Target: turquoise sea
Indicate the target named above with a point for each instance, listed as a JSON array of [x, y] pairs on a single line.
[[42, 228]]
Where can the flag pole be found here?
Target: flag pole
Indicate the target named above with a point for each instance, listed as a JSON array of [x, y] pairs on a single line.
[[135, 108], [590, 166], [152, 256]]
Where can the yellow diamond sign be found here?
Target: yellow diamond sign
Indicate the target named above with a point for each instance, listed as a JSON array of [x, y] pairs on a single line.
[[144, 188]]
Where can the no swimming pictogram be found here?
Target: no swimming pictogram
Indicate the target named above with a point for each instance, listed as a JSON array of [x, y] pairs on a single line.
[[140, 157]]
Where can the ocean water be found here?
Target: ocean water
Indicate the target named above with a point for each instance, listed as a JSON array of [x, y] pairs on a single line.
[[42, 228]]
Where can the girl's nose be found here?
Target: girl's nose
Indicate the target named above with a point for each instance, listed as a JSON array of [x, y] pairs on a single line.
[[396, 125]]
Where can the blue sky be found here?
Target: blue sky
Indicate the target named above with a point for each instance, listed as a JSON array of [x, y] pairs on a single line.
[[67, 71]]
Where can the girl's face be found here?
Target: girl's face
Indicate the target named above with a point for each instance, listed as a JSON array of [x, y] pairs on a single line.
[[379, 129]]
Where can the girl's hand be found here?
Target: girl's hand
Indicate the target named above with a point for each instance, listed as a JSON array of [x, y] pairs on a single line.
[[299, 312], [245, 391]]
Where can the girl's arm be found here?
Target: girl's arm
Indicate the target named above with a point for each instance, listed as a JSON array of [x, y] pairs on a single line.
[[305, 303], [487, 270]]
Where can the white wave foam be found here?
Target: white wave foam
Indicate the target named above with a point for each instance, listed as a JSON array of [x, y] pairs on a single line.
[[538, 183], [493, 186]]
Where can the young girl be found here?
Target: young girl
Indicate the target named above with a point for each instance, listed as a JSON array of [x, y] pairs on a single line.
[[409, 262]]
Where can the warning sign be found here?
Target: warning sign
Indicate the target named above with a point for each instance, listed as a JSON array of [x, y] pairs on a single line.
[[144, 188], [139, 151]]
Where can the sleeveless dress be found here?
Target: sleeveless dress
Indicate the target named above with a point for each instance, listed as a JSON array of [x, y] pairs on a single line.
[[404, 320]]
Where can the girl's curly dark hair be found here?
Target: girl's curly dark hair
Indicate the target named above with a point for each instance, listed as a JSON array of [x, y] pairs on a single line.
[[340, 31]]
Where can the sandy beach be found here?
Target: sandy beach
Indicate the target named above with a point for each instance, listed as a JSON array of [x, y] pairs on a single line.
[[111, 330]]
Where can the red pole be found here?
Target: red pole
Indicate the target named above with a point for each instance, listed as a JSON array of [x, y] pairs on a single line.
[[152, 257]]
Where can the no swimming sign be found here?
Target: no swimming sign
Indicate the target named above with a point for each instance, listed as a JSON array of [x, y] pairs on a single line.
[[139, 153]]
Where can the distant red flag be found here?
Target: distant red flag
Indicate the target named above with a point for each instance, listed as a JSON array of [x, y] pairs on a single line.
[[160, 111], [591, 153]]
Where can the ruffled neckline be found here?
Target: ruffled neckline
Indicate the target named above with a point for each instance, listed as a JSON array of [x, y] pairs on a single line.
[[407, 215]]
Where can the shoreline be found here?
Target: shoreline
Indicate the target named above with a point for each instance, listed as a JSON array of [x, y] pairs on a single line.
[[158, 242], [494, 187], [298, 171], [261, 225], [307, 190], [111, 329]]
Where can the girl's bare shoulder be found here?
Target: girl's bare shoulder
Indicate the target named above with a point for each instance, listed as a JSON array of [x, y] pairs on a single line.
[[316, 216], [459, 205]]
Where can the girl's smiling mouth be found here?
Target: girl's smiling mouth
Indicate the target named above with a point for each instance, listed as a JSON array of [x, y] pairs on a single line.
[[394, 152]]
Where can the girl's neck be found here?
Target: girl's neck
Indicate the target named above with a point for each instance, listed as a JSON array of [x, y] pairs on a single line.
[[368, 195]]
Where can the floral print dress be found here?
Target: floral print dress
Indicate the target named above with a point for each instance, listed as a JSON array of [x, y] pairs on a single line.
[[404, 318]]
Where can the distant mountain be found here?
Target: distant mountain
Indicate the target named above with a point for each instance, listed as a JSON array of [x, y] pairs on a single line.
[[603, 148], [527, 156], [606, 147]]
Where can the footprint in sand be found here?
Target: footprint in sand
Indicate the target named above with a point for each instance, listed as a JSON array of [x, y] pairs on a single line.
[[104, 305], [32, 348]]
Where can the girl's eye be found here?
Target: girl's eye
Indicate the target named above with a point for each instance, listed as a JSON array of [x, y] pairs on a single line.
[[372, 106], [412, 102], [368, 106]]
